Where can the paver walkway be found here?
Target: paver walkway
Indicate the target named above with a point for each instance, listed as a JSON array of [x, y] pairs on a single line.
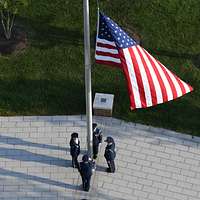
[[152, 164]]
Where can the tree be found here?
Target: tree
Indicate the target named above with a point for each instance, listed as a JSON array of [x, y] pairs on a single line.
[[8, 11]]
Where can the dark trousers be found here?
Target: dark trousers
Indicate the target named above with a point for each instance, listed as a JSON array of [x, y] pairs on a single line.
[[74, 161], [86, 183], [111, 166], [95, 151]]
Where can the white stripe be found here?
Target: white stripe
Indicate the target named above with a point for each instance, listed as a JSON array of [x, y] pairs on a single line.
[[176, 84], [107, 58], [103, 49], [154, 77], [132, 77], [187, 89], [144, 78], [103, 41], [163, 77]]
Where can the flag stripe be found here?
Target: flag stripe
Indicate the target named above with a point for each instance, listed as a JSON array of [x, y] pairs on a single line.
[[184, 87], [103, 49], [145, 81], [103, 41], [155, 77], [158, 76], [100, 53], [175, 87], [181, 85], [107, 58], [138, 77], [131, 92], [148, 74], [188, 88], [107, 53], [131, 79], [164, 81], [108, 63], [143, 78], [105, 45]]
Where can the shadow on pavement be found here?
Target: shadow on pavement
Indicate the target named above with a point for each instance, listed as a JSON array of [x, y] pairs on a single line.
[[23, 155], [18, 141], [6, 172], [101, 168]]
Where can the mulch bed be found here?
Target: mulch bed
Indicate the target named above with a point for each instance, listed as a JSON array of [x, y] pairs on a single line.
[[16, 44]]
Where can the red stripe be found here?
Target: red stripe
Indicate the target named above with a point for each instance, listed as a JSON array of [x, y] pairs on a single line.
[[113, 64], [161, 83], [190, 87], [105, 45], [173, 88], [101, 53], [181, 84], [149, 77], [138, 78], [128, 81], [183, 90]]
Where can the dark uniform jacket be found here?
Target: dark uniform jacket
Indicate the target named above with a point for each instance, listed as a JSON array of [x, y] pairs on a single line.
[[110, 153], [74, 148], [85, 169], [97, 137]]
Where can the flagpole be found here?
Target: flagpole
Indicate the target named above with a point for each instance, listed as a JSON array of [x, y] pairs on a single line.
[[88, 88]]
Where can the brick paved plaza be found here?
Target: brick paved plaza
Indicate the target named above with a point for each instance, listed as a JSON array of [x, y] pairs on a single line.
[[152, 164]]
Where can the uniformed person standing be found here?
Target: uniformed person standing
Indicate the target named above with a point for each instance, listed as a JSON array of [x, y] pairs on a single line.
[[97, 139], [110, 154], [74, 149], [85, 169]]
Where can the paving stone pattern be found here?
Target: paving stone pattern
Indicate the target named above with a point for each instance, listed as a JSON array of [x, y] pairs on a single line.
[[152, 164]]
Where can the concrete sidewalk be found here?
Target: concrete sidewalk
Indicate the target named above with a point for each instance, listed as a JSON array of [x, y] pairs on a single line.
[[152, 164]]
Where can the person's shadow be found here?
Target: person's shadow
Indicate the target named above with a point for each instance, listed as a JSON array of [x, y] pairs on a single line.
[[23, 155], [18, 141], [5, 172], [100, 168]]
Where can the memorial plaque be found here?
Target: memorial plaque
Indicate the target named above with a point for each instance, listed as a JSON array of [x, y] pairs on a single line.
[[103, 104]]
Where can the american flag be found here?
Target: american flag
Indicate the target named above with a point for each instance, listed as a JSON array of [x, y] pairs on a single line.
[[149, 82]]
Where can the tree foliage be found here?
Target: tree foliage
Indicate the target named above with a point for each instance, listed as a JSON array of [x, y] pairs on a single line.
[[8, 11]]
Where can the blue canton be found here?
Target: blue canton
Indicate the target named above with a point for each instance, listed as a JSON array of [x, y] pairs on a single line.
[[110, 31]]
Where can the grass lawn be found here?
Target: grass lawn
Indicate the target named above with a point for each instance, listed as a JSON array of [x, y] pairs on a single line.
[[48, 78]]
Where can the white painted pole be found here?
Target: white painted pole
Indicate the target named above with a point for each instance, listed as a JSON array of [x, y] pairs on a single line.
[[88, 88]]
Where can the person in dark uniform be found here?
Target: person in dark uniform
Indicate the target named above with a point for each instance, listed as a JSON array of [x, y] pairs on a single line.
[[85, 169], [97, 139], [110, 154], [74, 149]]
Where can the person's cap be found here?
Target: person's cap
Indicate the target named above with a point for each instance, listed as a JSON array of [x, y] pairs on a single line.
[[85, 158], [94, 125], [109, 139], [74, 135]]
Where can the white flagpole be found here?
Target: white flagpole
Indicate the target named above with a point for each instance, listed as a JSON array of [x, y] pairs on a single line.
[[88, 88]]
